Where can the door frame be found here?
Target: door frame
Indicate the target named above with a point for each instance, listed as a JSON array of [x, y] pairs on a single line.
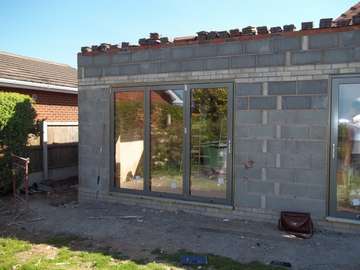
[[336, 81], [186, 141]]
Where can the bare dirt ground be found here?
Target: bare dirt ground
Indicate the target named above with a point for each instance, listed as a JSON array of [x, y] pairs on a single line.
[[137, 231]]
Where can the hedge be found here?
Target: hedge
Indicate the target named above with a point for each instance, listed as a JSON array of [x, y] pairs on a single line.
[[17, 121]]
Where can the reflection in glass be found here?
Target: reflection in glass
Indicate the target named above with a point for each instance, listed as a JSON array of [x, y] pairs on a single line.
[[348, 151], [208, 142], [129, 139], [166, 140]]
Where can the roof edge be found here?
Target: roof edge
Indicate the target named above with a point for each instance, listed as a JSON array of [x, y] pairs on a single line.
[[38, 86]]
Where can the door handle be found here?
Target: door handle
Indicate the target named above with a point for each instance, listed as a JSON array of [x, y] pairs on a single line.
[[333, 150], [229, 146]]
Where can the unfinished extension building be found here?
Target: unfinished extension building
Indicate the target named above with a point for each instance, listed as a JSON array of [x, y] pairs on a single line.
[[240, 124]]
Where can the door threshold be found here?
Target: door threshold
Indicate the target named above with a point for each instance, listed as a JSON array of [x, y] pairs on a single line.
[[343, 220]]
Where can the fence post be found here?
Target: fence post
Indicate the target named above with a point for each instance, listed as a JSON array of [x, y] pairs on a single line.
[[45, 150]]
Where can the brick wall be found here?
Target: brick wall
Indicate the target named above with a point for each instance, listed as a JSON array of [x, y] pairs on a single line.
[[51, 106]]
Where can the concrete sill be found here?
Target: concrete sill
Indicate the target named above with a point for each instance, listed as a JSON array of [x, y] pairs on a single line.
[[171, 200], [343, 220]]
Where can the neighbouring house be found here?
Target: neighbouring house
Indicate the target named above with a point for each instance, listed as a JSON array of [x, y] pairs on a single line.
[[240, 124], [53, 87]]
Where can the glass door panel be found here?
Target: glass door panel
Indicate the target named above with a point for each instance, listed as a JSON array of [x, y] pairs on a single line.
[[209, 142], [166, 140], [129, 139], [347, 175]]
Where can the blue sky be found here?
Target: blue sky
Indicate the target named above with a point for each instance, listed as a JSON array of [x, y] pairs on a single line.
[[55, 30]]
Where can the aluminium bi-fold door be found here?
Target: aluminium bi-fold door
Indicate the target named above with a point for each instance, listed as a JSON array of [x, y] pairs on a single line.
[[345, 148], [174, 141]]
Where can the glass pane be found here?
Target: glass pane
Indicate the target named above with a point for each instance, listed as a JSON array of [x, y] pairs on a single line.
[[348, 151], [167, 126], [208, 142], [129, 139]]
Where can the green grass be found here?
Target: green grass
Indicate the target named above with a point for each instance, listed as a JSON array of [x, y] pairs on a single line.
[[23, 255]]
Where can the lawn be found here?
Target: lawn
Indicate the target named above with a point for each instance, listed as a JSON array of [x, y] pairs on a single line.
[[56, 254]]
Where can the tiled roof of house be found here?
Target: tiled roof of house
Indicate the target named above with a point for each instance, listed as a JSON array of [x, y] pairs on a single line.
[[349, 14], [26, 69]]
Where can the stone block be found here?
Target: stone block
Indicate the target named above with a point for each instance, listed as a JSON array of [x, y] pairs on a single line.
[[149, 68], [242, 103], [319, 102], [121, 58], [262, 103], [349, 39], [312, 87], [311, 117], [260, 187], [248, 146], [295, 132], [323, 41], [217, 63], [102, 60], [280, 174], [182, 52], [244, 61], [282, 88], [90, 72], [140, 56], [170, 66], [192, 65], [306, 58], [296, 102], [312, 177], [243, 199], [241, 173], [338, 56], [241, 131], [267, 60], [295, 160], [83, 60], [262, 131], [250, 117], [203, 50], [248, 89], [130, 69], [111, 71], [318, 132], [231, 48], [163, 54], [317, 208], [303, 191], [280, 44], [258, 46]]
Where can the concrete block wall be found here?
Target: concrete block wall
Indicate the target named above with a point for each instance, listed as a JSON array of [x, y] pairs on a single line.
[[323, 48], [281, 130], [281, 106]]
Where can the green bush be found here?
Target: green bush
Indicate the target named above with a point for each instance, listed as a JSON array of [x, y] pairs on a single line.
[[17, 121]]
